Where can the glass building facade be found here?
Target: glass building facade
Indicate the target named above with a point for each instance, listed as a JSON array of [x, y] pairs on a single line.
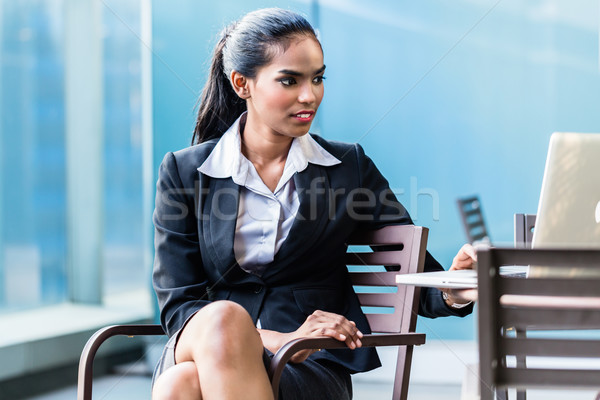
[[34, 183]]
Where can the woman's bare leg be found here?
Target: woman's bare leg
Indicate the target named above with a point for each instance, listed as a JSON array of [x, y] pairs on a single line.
[[180, 382], [223, 343]]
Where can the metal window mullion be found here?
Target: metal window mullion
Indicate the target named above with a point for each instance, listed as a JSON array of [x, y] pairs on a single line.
[[84, 114], [2, 189], [148, 168]]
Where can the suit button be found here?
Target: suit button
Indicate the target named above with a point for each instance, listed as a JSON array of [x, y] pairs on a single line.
[[258, 289]]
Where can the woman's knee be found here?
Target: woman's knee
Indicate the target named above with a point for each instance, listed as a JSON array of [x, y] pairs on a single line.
[[222, 316], [222, 325], [180, 382]]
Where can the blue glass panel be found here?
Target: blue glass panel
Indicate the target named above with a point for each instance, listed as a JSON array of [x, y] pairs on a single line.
[[33, 209], [32, 168], [124, 244]]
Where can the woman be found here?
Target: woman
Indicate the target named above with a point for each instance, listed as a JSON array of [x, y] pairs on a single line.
[[251, 224]]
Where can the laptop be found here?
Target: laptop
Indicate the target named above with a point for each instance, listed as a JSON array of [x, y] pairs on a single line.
[[459, 279], [568, 210], [569, 206]]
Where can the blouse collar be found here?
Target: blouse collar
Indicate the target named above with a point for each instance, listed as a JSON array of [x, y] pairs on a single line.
[[227, 161]]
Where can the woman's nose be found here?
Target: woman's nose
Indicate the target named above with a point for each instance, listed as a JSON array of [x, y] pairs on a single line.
[[307, 94]]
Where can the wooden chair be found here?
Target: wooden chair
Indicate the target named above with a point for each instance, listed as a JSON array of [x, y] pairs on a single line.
[[524, 224], [472, 219], [401, 249], [567, 303]]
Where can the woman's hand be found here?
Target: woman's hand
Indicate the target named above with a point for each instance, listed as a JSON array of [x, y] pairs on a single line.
[[465, 259], [319, 323], [322, 323]]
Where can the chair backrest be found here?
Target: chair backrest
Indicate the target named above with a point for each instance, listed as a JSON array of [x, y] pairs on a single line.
[[390, 308], [560, 301], [524, 224], [472, 219]]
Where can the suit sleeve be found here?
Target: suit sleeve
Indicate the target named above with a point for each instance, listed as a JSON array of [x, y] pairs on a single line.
[[178, 276], [377, 206]]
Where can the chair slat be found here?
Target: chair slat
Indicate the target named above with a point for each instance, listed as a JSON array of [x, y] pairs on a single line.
[[378, 258], [549, 318], [373, 278], [389, 235], [377, 299], [475, 224], [581, 258], [548, 378], [551, 302], [549, 286], [551, 347], [473, 211], [382, 323]]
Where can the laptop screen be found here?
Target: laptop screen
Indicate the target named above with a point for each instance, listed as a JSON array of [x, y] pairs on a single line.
[[569, 206]]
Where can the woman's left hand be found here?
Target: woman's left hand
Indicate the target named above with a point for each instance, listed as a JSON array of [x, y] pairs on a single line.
[[465, 259]]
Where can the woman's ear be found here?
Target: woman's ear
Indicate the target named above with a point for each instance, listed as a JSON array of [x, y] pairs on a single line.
[[240, 85]]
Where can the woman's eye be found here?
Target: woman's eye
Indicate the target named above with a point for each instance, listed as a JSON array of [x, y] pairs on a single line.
[[287, 81], [318, 79]]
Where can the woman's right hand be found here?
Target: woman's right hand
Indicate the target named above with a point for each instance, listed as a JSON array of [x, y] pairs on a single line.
[[322, 323]]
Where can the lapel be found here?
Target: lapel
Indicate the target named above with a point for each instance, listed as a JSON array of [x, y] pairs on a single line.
[[313, 189], [219, 215]]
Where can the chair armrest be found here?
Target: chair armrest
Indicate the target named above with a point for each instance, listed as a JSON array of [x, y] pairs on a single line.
[[86, 362], [286, 352]]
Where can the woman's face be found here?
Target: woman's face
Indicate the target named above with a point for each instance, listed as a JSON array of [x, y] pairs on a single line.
[[286, 93]]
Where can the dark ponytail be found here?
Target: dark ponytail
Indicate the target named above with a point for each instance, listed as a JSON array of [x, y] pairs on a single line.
[[219, 104], [245, 46]]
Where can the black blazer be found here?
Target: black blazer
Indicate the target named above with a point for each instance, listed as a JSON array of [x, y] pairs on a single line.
[[195, 218]]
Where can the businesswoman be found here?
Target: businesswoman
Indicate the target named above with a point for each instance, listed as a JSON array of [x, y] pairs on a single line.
[[251, 223]]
